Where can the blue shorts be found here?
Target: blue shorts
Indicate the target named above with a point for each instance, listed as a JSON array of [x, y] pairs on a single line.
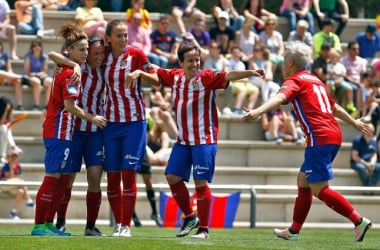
[[317, 165], [201, 157], [89, 146], [58, 156], [124, 145]]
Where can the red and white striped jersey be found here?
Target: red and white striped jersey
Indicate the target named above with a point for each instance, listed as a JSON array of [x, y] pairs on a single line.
[[194, 104], [91, 98], [124, 104], [59, 123]]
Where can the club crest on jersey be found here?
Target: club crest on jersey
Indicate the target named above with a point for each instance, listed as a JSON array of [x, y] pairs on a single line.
[[72, 89], [196, 85], [123, 64]]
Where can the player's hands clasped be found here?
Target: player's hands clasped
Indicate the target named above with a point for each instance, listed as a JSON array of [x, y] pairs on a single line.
[[250, 116]]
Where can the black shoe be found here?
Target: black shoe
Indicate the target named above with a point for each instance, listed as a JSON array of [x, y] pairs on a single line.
[[188, 224], [61, 227], [136, 221], [157, 219], [20, 108]]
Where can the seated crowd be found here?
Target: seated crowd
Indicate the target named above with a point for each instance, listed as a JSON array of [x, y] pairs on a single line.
[[241, 37]]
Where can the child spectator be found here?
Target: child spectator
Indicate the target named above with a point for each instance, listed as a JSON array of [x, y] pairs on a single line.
[[11, 171], [36, 65], [336, 72], [138, 7], [90, 18]]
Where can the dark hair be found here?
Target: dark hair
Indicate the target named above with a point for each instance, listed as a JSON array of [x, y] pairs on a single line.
[[185, 47], [247, 6], [94, 39], [34, 44], [350, 44], [72, 33], [112, 24]]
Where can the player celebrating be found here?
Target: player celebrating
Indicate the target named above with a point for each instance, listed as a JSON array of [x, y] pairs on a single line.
[[57, 133], [197, 122], [315, 110]]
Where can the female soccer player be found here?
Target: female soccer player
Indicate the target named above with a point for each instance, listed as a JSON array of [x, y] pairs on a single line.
[[57, 133]]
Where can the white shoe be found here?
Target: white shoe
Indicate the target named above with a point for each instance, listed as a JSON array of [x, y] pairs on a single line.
[[116, 230], [125, 231], [40, 34], [227, 111]]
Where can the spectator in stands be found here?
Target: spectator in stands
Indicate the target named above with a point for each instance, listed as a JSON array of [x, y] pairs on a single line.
[[11, 171], [366, 98], [217, 62], [36, 65], [369, 43], [90, 18], [223, 34], [138, 6], [355, 66], [364, 159], [253, 11], [325, 9], [7, 30], [29, 18], [7, 76], [301, 34], [138, 36], [336, 72], [261, 60], [279, 126], [199, 36], [158, 145], [6, 137], [326, 36], [273, 40], [164, 44], [185, 8], [246, 39], [295, 10], [161, 109], [61, 5], [319, 66], [116, 5], [242, 88], [235, 20]]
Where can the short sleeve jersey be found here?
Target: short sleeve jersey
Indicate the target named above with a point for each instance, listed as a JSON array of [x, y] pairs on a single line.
[[6, 169], [313, 106], [194, 104], [91, 97], [365, 149], [124, 104], [59, 123]]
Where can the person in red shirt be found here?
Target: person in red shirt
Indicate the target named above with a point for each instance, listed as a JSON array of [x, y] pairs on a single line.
[[315, 110], [57, 133], [197, 121]]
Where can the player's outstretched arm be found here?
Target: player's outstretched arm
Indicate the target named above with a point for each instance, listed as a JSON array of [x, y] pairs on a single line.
[[71, 107], [240, 74], [358, 124], [272, 104]]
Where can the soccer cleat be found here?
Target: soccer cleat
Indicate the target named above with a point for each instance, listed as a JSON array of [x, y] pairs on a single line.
[[56, 231], [157, 219], [202, 233], [285, 234], [361, 229], [14, 215], [93, 232], [41, 230], [136, 220], [61, 227], [125, 231], [116, 230], [188, 224]]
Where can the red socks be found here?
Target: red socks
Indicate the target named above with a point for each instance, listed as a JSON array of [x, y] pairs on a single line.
[[203, 205], [129, 195], [114, 194], [339, 204], [44, 198], [62, 208], [301, 208], [182, 197]]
